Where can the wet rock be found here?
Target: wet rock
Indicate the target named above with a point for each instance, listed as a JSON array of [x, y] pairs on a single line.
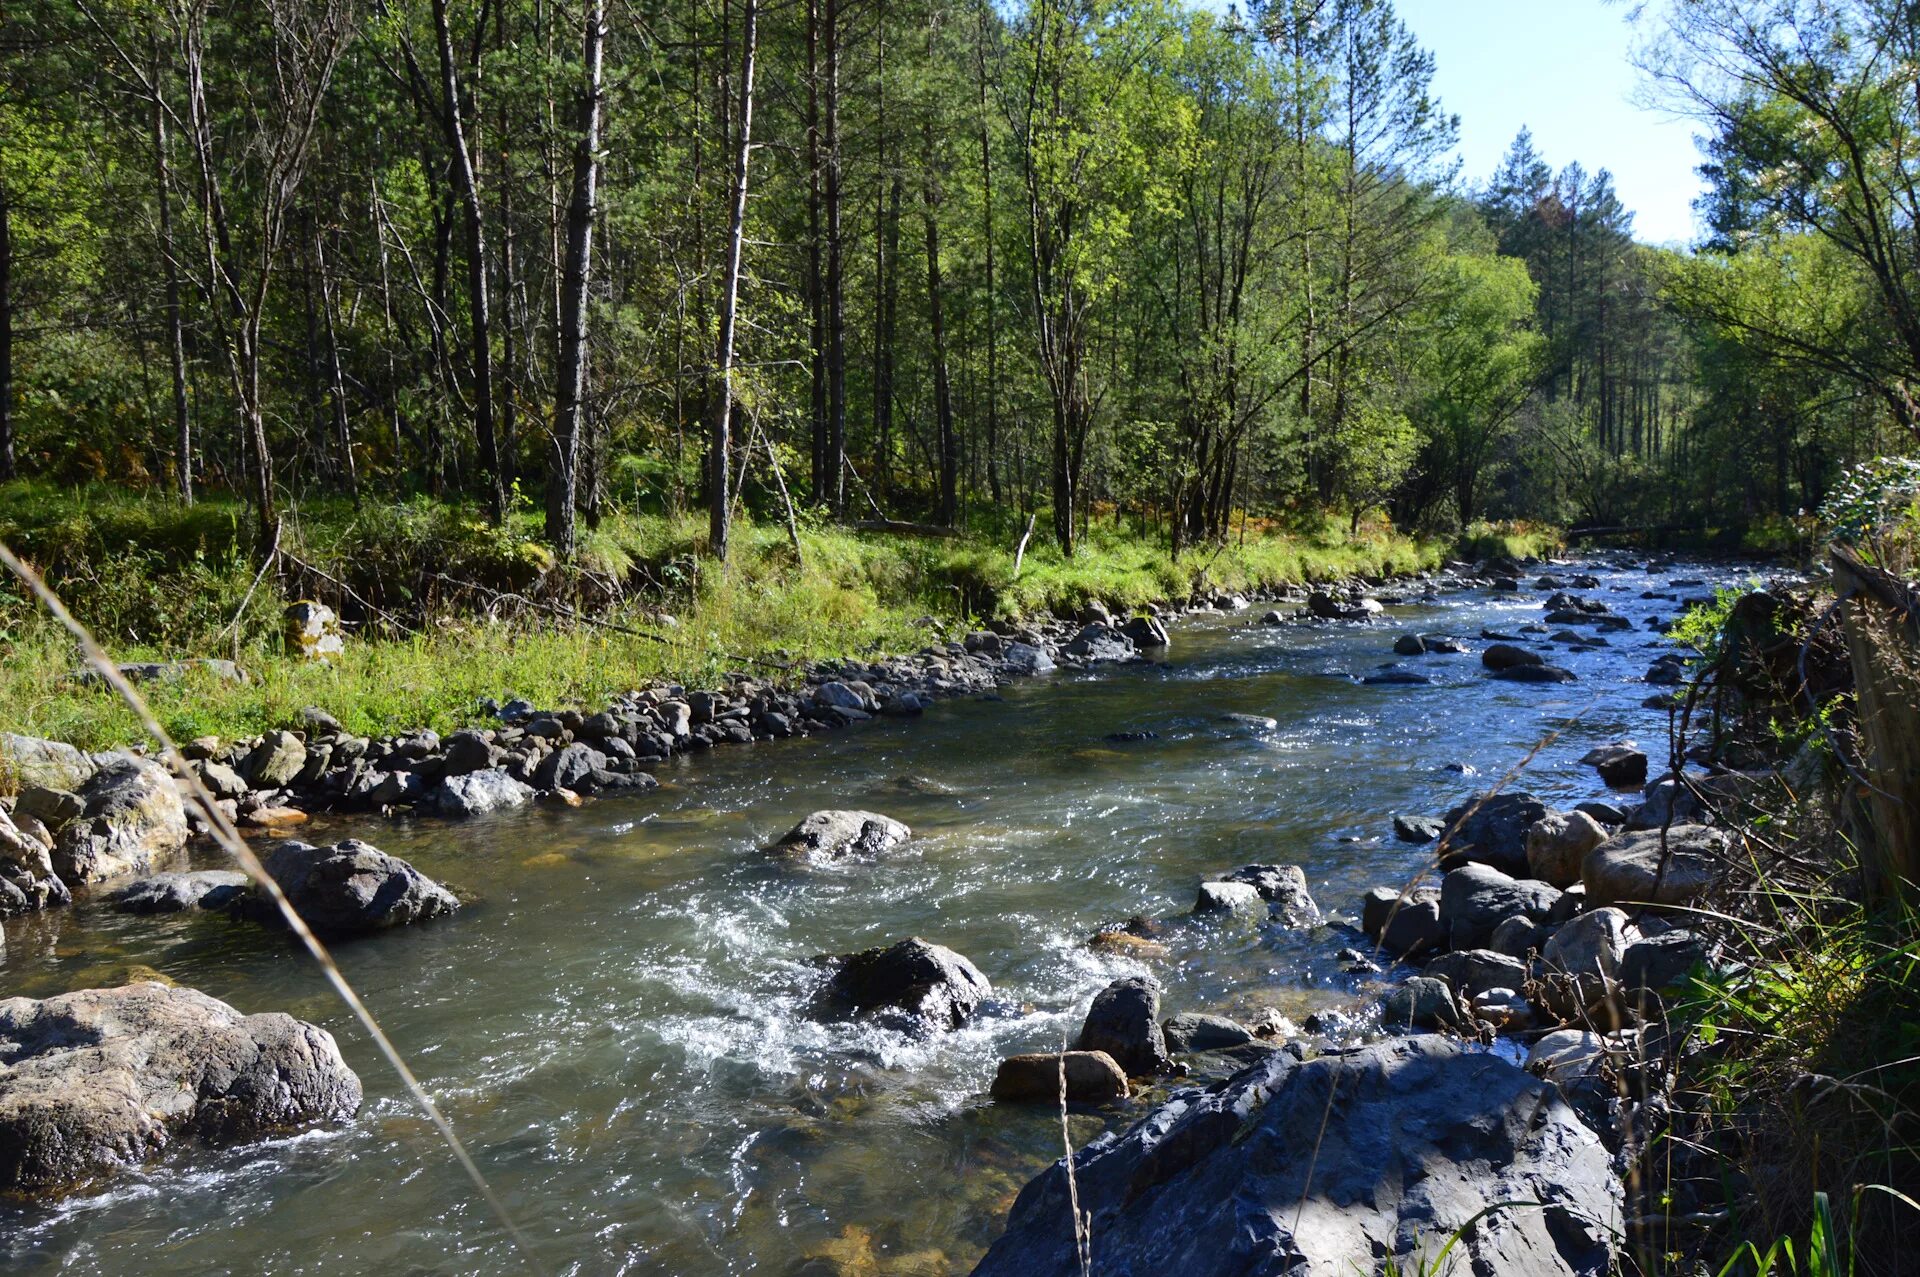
[[1491, 829], [1217, 898], [95, 1081], [1536, 674], [1099, 643], [1284, 889], [1619, 765], [1124, 1021], [836, 833], [1328, 608], [312, 630], [1421, 1003], [1393, 678], [1474, 899], [349, 888], [1418, 829], [1558, 843], [208, 889], [132, 816], [1628, 870], [912, 987], [1273, 617], [29, 760], [1506, 656], [1092, 1077], [1668, 671], [27, 879], [1026, 659], [478, 793], [1145, 631], [1408, 927], [1518, 936], [566, 768], [1257, 722], [1469, 972], [1409, 645], [275, 761], [1606, 813], [1193, 1031]]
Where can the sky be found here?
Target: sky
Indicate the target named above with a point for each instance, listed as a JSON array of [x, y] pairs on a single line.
[[1561, 68]]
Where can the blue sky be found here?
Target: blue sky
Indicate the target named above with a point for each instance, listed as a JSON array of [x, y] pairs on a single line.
[[1562, 68]]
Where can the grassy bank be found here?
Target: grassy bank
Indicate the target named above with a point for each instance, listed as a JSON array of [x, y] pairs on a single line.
[[448, 610]]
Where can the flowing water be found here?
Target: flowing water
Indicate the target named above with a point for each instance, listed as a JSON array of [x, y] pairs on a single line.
[[615, 1024]]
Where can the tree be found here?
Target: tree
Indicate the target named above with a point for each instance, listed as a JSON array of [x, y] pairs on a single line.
[[564, 455]]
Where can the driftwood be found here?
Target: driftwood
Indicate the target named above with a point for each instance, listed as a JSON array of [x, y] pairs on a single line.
[[1881, 622], [903, 527]]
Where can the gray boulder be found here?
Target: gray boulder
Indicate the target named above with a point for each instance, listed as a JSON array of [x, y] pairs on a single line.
[[95, 1081], [477, 793], [1491, 829], [1471, 972], [1558, 843], [911, 986], [1536, 674], [1193, 1031], [27, 880], [178, 892], [132, 817], [835, 834], [349, 888], [1475, 899], [1124, 1021], [1091, 1078], [1146, 631], [567, 768], [1098, 643], [1506, 656], [29, 760], [1422, 1002], [1228, 898], [276, 760], [1407, 927], [1628, 870], [1025, 658], [1283, 888], [1619, 765], [1418, 1140], [1663, 961], [1418, 829]]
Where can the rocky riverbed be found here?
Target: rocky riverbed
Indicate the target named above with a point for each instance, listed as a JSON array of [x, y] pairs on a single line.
[[1238, 842]]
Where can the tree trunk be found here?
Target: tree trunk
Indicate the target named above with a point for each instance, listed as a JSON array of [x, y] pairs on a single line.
[[563, 458], [480, 317], [936, 317], [7, 465], [836, 293], [719, 510], [176, 326], [816, 299], [336, 377]]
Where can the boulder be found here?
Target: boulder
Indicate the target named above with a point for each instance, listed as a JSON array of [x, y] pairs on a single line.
[[1415, 1142], [1328, 608], [1506, 656], [1145, 631], [1284, 888], [1470, 972], [911, 987], [477, 793], [1628, 870], [219, 779], [1558, 843], [1536, 674], [1663, 961], [1566, 1056], [312, 631], [1091, 1078], [1491, 829], [1192, 1031], [1606, 813], [1590, 948], [1229, 898], [1418, 829], [1026, 659], [275, 761], [348, 888], [208, 889], [1423, 1002], [468, 751], [1474, 899], [1518, 936], [29, 761], [98, 1080], [1409, 645], [567, 767], [835, 834], [1124, 1021], [1407, 927], [27, 879], [132, 816], [1396, 678], [1098, 643], [53, 808], [1620, 766]]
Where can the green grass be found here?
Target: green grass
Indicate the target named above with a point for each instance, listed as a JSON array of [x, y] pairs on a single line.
[[156, 581]]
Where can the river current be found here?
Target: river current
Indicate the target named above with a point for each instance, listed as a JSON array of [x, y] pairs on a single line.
[[615, 1021]]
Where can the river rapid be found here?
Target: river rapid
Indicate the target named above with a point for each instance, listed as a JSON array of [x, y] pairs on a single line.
[[615, 1022]]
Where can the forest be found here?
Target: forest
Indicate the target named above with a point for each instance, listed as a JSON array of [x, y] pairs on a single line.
[[924, 261]]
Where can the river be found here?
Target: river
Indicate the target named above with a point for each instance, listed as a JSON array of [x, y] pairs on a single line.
[[614, 1022]]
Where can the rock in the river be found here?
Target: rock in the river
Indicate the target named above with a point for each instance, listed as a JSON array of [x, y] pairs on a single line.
[[1284, 888], [1585, 954], [348, 888], [94, 1081], [1418, 829], [834, 834], [1099, 643], [1092, 1078], [477, 793], [29, 760], [1025, 658], [1418, 1140], [1229, 898], [27, 880], [1506, 656], [208, 889], [1328, 608], [1536, 674], [132, 815], [1619, 765], [1471, 972], [1491, 829], [1558, 843], [1396, 678], [1145, 631], [1628, 870], [1193, 1031], [1124, 1021], [1474, 899], [1408, 925], [911, 986], [1423, 1002]]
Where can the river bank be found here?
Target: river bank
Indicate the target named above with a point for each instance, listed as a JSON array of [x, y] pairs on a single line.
[[1061, 809]]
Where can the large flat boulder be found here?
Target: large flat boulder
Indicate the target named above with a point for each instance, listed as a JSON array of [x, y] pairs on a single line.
[[349, 888], [29, 760], [1327, 1168], [95, 1081], [203, 889], [911, 986], [1628, 870], [477, 793], [835, 834], [131, 816]]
